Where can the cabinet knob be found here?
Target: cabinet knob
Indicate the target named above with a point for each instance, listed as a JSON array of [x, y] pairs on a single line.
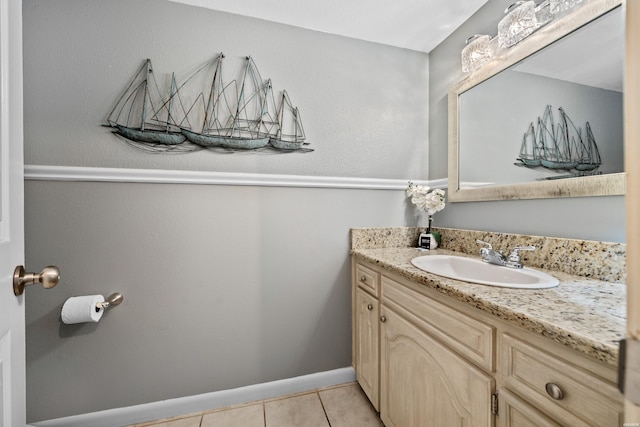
[[363, 278], [383, 319], [554, 391], [369, 307]]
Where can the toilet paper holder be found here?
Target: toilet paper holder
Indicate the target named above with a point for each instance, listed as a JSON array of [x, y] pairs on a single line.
[[87, 308], [113, 300]]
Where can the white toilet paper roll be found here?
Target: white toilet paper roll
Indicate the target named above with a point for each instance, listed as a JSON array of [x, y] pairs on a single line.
[[82, 309]]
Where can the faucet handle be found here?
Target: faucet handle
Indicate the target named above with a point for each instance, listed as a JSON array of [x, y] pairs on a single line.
[[485, 251], [515, 255], [487, 245], [523, 248]]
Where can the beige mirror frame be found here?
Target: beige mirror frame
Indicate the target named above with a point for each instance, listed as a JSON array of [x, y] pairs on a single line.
[[597, 185]]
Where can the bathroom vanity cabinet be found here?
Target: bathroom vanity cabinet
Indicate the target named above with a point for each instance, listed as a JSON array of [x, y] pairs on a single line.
[[425, 358]]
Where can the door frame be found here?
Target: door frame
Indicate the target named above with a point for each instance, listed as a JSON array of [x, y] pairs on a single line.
[[632, 160]]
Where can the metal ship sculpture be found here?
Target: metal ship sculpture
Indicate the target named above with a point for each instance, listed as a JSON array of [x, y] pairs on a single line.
[[559, 147], [141, 115], [205, 112]]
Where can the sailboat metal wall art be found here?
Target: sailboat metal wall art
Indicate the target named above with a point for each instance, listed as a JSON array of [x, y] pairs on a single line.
[[561, 146], [206, 112]]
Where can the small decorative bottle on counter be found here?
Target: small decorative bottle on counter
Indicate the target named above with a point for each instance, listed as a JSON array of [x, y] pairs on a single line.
[[427, 240]]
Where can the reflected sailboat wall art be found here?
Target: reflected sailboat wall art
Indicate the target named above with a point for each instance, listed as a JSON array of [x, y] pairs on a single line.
[[560, 147], [204, 111]]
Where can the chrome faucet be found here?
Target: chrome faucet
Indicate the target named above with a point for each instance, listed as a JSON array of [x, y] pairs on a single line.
[[489, 255], [498, 258]]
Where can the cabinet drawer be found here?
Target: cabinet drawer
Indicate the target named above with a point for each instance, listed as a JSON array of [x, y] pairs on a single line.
[[469, 336], [514, 412], [368, 279], [586, 400]]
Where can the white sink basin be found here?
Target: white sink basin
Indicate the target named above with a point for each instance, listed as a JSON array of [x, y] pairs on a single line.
[[475, 271]]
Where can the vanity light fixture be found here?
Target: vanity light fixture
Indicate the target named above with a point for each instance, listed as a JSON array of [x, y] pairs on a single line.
[[523, 18], [476, 53], [520, 21], [557, 6], [543, 13]]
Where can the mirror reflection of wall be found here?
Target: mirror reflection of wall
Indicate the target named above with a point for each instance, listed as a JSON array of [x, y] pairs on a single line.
[[582, 73]]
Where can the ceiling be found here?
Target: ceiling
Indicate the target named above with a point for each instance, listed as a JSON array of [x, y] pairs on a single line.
[[411, 24]]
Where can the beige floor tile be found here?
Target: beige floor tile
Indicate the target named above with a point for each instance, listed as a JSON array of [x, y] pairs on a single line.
[[305, 410], [348, 406], [191, 421], [244, 416]]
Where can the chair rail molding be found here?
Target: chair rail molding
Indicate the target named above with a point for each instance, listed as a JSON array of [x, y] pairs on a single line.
[[161, 176]]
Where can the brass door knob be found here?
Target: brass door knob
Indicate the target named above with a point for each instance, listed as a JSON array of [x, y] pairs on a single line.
[[48, 278]]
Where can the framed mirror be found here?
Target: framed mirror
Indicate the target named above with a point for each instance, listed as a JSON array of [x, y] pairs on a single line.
[[544, 118]]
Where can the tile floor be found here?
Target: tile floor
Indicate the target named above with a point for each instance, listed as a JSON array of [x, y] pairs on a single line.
[[340, 406]]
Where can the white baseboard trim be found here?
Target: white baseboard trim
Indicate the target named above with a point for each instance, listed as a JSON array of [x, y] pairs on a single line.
[[158, 176], [203, 402]]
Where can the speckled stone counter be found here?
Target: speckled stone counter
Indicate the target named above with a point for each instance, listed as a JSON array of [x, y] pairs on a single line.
[[586, 314], [587, 258]]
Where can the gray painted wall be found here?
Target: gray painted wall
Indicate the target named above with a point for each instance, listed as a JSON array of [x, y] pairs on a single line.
[[597, 218], [357, 100], [224, 286]]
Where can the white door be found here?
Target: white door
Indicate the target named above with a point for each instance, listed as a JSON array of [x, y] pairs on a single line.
[[12, 341]]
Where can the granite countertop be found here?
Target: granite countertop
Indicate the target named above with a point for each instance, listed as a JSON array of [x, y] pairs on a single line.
[[585, 314]]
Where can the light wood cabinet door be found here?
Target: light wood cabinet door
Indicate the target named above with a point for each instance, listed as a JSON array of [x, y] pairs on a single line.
[[367, 345], [514, 412], [422, 383]]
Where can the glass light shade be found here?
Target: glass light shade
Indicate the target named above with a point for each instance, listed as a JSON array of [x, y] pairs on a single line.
[[476, 53], [557, 6], [517, 24], [543, 13]]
